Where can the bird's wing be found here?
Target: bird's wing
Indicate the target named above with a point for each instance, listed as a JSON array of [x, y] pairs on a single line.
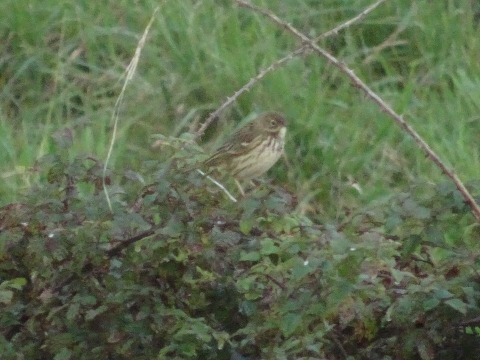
[[232, 146]]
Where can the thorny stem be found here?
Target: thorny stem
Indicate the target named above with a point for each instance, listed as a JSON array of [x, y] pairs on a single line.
[[377, 99]]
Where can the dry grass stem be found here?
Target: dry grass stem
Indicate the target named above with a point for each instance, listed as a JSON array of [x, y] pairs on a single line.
[[129, 72], [230, 196]]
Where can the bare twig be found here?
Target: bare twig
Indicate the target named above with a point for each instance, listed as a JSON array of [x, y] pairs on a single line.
[[277, 64], [115, 251], [246, 87], [129, 72], [474, 321], [348, 23], [377, 99]]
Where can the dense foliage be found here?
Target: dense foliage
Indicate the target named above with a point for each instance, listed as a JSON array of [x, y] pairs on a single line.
[[356, 249], [178, 270]]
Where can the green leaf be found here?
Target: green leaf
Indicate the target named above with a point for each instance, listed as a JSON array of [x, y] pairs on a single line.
[[85, 299], [246, 225], [290, 323], [249, 205], [248, 308], [412, 208], [430, 303], [173, 228], [269, 247], [6, 296], [299, 270], [411, 243], [63, 354], [435, 236], [72, 311], [92, 314], [392, 222], [56, 172], [222, 338], [458, 305], [16, 283], [250, 256], [442, 294]]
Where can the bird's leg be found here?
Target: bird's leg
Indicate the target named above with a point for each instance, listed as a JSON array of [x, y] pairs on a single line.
[[240, 188]]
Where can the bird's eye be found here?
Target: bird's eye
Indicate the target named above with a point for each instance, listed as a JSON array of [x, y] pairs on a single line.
[[273, 122]]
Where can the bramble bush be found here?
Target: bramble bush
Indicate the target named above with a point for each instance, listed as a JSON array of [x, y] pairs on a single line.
[[177, 270], [174, 269]]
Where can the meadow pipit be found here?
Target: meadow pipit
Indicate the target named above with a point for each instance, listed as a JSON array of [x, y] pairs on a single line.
[[253, 149]]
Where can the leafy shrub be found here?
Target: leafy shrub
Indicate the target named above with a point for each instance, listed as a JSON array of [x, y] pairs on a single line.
[[177, 270]]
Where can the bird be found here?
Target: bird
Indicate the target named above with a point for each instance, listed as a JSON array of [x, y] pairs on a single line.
[[253, 149]]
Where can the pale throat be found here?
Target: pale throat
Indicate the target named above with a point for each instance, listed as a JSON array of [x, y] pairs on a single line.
[[282, 133]]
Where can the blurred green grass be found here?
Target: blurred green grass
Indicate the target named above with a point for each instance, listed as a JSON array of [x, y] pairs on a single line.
[[62, 62]]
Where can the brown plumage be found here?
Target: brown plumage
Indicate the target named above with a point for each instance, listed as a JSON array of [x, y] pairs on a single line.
[[253, 149]]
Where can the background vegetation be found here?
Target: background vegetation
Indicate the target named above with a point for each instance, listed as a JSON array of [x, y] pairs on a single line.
[[358, 246]]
